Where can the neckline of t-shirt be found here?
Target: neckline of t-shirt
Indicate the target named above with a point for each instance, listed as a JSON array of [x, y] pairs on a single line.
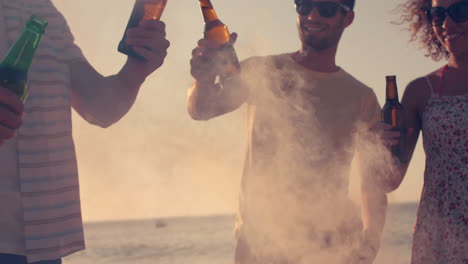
[[323, 75]]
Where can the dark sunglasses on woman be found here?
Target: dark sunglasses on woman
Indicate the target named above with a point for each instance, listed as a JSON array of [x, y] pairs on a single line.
[[325, 9], [458, 12]]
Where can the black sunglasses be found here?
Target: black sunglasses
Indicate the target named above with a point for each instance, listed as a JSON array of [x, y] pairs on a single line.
[[458, 12], [325, 9]]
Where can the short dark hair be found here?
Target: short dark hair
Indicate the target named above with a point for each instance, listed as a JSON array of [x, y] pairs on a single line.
[[348, 3]]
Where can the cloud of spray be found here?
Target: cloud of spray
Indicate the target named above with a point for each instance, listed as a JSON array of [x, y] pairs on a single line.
[[377, 164], [295, 205]]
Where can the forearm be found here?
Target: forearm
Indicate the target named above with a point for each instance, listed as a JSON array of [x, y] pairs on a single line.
[[104, 100], [201, 99], [373, 209], [207, 99]]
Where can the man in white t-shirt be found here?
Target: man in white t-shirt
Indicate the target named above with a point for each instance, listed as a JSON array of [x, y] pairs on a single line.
[[40, 215], [304, 113]]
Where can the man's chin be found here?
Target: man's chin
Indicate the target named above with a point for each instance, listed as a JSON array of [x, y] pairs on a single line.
[[318, 46]]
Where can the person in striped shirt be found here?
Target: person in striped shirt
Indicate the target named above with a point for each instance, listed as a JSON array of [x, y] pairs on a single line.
[[40, 215]]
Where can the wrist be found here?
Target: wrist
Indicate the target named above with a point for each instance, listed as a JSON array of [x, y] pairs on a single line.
[[206, 81], [371, 239], [205, 85], [131, 76]]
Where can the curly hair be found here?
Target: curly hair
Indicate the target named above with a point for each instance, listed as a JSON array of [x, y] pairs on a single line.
[[414, 13]]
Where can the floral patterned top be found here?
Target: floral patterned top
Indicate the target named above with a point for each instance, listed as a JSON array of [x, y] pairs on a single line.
[[441, 233]]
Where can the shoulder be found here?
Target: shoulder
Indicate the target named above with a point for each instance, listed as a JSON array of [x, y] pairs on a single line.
[[419, 90], [357, 86], [252, 61], [418, 86], [269, 60], [422, 86], [353, 81], [263, 66]]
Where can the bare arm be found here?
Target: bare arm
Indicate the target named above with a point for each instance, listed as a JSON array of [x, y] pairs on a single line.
[[370, 155], [102, 100], [373, 210], [207, 99], [105, 100]]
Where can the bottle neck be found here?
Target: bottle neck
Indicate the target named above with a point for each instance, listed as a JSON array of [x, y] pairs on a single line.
[[153, 9], [391, 93], [22, 52], [391, 89], [208, 11]]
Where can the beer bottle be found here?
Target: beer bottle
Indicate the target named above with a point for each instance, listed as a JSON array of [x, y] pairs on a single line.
[[394, 115], [142, 10], [217, 31], [14, 67]]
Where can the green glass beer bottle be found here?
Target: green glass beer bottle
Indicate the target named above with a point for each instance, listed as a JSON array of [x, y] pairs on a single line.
[[218, 32], [14, 67], [394, 115]]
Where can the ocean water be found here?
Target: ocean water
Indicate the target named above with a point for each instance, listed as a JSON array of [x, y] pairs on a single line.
[[208, 240]]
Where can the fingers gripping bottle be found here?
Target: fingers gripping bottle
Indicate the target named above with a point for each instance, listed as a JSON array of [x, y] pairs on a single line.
[[394, 115], [142, 10], [217, 31]]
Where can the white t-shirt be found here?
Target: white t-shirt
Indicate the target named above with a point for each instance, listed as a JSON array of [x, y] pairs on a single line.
[[301, 132]]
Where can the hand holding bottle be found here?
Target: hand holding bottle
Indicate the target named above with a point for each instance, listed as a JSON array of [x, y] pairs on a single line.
[[387, 134], [207, 58], [11, 114], [143, 12], [148, 40], [393, 114], [215, 54], [13, 76]]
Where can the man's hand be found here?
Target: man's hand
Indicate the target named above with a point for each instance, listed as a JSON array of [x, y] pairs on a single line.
[[367, 250], [149, 41], [206, 60], [387, 135], [11, 114]]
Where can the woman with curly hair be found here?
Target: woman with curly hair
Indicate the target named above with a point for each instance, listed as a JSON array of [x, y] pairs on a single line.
[[437, 105]]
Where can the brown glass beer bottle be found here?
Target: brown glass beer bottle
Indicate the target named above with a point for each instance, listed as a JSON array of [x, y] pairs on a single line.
[[217, 31], [394, 115], [142, 10]]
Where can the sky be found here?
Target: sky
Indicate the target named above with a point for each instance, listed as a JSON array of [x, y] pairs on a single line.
[[157, 162]]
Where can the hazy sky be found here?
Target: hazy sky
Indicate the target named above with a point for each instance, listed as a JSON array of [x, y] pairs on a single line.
[[158, 162]]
